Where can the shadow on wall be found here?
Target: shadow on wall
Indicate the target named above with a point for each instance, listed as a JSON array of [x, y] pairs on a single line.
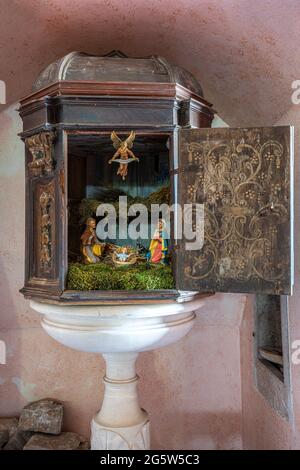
[[13, 309], [11, 384], [191, 391], [205, 431]]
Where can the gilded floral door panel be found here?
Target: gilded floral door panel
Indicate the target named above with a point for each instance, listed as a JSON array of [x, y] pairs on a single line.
[[244, 179]]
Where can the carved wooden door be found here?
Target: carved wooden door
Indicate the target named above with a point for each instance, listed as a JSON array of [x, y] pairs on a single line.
[[243, 180]]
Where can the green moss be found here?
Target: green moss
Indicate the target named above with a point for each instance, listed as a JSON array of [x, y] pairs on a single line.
[[105, 277], [88, 207]]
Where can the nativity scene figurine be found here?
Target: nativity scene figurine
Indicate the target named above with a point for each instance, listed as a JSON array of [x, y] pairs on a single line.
[[123, 155], [92, 249], [158, 248]]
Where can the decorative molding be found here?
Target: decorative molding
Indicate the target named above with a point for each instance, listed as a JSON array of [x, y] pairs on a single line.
[[40, 147], [127, 438], [143, 90], [46, 201]]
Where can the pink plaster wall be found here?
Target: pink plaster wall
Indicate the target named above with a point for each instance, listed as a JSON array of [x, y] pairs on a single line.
[[236, 48], [199, 392], [191, 389]]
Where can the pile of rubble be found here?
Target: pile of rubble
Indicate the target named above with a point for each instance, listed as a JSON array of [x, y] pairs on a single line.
[[39, 427]]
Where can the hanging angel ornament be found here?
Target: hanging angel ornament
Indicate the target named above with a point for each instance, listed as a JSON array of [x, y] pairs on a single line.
[[123, 155]]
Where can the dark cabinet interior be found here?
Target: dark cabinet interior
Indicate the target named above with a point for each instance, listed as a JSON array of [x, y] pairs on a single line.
[[93, 182]]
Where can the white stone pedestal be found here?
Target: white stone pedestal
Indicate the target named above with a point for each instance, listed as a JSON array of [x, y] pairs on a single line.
[[119, 333], [121, 423]]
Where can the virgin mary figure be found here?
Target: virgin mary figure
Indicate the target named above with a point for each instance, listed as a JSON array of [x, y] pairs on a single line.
[[158, 248]]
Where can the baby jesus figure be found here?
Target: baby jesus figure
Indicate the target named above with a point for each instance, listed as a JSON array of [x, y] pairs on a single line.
[[123, 255]]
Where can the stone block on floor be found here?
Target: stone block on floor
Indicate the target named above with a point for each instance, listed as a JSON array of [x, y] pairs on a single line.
[[44, 416], [9, 424], [18, 440], [4, 437], [65, 441]]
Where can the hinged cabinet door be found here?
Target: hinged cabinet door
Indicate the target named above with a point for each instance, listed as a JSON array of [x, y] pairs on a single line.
[[243, 180]]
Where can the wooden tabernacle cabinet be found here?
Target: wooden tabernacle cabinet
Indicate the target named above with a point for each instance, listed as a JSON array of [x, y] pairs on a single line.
[[243, 177]]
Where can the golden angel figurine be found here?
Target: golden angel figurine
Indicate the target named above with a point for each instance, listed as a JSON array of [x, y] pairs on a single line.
[[123, 155]]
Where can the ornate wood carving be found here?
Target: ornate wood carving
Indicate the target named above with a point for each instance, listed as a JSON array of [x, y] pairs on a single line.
[[243, 178], [40, 147], [46, 208], [125, 438]]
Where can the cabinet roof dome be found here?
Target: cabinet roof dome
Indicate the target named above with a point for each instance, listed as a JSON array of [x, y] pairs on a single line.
[[115, 67]]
